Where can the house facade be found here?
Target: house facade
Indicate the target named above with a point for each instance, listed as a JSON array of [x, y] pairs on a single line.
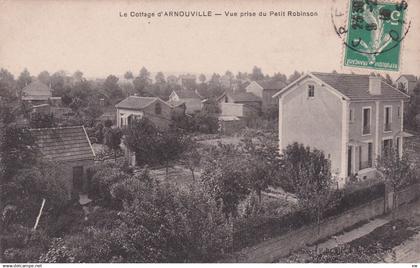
[[38, 93], [191, 99], [134, 107], [240, 104], [71, 147], [352, 118], [265, 89]]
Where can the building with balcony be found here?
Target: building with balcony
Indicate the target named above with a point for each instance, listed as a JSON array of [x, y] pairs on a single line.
[[352, 118]]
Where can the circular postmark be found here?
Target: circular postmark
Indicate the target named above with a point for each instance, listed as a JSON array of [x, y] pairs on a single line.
[[371, 31]]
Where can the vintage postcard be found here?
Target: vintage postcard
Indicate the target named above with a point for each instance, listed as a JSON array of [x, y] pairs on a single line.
[[139, 131]]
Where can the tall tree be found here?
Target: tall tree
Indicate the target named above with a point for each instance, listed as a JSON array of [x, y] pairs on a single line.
[[58, 83], [142, 81], [128, 75], [160, 78], [44, 77], [111, 88], [202, 78], [7, 84], [397, 171], [24, 79], [293, 77], [257, 74], [280, 77], [113, 140]]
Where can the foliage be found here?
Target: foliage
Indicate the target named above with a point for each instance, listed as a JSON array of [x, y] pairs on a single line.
[[191, 157], [207, 123], [113, 140], [17, 150], [39, 120]]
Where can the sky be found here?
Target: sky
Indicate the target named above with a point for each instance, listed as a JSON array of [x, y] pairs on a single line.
[[92, 37]]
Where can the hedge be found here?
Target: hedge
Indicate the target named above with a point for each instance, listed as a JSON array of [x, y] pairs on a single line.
[[251, 231]]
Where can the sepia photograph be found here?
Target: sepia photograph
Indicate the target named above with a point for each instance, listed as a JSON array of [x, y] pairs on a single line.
[[223, 132]]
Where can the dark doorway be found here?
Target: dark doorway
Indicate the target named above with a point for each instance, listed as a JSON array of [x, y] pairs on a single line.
[[78, 179]]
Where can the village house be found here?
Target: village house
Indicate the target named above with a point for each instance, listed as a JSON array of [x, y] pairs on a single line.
[[71, 147], [191, 99], [352, 118], [240, 104], [37, 93], [134, 107], [407, 82], [265, 89]]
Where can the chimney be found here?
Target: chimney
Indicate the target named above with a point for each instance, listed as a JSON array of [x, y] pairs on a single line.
[[375, 85]]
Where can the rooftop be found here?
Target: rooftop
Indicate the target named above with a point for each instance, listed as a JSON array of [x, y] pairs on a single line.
[[356, 86], [271, 84], [63, 143], [187, 94], [136, 102], [37, 89]]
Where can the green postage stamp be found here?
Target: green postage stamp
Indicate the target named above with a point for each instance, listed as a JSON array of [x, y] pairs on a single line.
[[374, 34]]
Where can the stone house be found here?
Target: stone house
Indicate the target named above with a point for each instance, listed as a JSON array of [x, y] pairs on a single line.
[[352, 118], [156, 110], [71, 147]]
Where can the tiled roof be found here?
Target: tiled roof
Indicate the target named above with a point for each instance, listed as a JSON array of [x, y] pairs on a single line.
[[187, 94], [244, 97], [356, 87], [136, 103], [37, 88], [63, 144], [271, 84]]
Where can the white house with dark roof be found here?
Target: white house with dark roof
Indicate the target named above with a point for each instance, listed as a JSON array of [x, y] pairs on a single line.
[[191, 99], [407, 82], [352, 118], [71, 147], [135, 107], [265, 89]]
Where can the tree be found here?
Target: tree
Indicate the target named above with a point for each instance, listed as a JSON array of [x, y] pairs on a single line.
[[224, 176], [264, 164], [202, 78], [142, 81], [44, 77], [293, 77], [24, 79], [397, 171], [312, 181], [160, 78], [280, 77], [113, 140], [191, 157], [128, 75], [111, 88], [58, 84], [17, 151], [39, 120], [257, 74], [78, 76], [140, 139], [7, 84]]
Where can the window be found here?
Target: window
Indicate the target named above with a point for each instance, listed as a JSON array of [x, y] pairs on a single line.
[[351, 115], [311, 91], [366, 121], [388, 118], [360, 158], [398, 146], [399, 111], [158, 108]]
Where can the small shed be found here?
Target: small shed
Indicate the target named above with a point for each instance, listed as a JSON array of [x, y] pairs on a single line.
[[71, 147]]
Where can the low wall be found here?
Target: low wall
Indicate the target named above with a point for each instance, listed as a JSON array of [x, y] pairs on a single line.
[[282, 246]]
